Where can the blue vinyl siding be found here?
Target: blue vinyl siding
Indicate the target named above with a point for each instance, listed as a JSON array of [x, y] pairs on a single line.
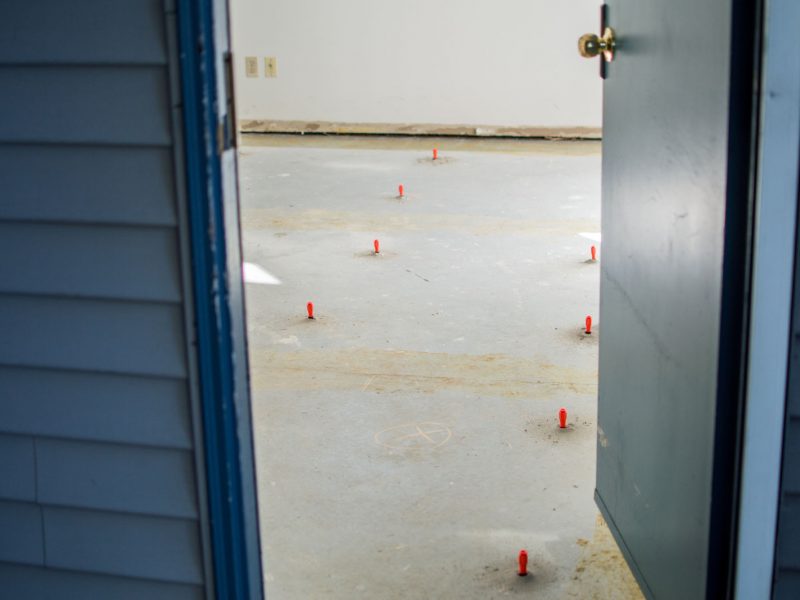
[[89, 405], [102, 490], [41, 176], [83, 32], [20, 581]]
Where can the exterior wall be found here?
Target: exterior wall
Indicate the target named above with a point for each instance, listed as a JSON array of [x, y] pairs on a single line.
[[101, 475], [482, 63]]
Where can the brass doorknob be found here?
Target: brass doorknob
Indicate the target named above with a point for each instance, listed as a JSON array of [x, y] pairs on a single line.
[[590, 45]]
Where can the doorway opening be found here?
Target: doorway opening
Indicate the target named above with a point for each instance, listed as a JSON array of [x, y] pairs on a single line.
[[407, 436]]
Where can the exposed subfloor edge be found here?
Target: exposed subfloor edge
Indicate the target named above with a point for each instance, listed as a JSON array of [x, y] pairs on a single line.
[[406, 129]]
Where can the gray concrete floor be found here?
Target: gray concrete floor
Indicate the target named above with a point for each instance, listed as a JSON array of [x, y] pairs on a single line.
[[407, 440]]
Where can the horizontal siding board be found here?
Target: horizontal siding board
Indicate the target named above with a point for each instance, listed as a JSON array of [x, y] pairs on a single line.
[[82, 31], [17, 468], [120, 337], [95, 406], [87, 184], [788, 550], [175, 91], [93, 105], [21, 533], [122, 544], [19, 582], [139, 263], [114, 477]]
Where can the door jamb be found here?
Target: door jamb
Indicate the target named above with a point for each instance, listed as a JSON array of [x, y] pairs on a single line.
[[771, 299], [219, 307]]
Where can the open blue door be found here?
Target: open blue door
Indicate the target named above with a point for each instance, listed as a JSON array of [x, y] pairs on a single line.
[[676, 222]]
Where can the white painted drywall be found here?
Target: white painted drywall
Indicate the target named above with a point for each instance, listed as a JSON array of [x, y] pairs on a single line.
[[472, 62]]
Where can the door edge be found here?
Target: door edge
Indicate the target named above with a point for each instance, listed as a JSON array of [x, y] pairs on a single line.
[[629, 560]]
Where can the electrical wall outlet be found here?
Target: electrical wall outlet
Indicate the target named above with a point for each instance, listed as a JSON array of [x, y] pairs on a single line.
[[251, 66], [270, 66]]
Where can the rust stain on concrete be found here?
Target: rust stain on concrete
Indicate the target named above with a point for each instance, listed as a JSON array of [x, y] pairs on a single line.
[[387, 371]]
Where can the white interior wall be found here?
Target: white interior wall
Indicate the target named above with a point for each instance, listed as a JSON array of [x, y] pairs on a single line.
[[450, 62]]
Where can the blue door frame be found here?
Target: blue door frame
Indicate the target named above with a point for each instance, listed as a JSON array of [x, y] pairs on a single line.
[[224, 386]]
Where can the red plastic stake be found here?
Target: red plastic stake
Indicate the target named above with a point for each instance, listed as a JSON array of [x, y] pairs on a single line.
[[310, 308], [523, 563], [435, 154], [562, 418], [594, 252], [377, 245], [401, 190], [588, 325]]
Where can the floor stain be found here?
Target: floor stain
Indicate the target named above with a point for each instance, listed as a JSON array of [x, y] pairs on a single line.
[[601, 572], [442, 160], [326, 220], [547, 428], [504, 581], [370, 254], [388, 371]]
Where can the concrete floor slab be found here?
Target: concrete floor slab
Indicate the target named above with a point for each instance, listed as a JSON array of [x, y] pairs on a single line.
[[407, 439]]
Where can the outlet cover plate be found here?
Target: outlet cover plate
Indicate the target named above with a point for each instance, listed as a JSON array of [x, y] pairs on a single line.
[[270, 66], [251, 66]]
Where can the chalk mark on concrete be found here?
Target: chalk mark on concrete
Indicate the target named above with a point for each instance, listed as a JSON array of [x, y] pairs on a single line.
[[369, 382], [414, 436]]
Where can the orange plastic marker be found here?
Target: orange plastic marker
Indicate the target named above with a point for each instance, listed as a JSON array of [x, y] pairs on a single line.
[[310, 308], [523, 563], [401, 190], [594, 252], [562, 418], [588, 325], [435, 154], [377, 245]]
